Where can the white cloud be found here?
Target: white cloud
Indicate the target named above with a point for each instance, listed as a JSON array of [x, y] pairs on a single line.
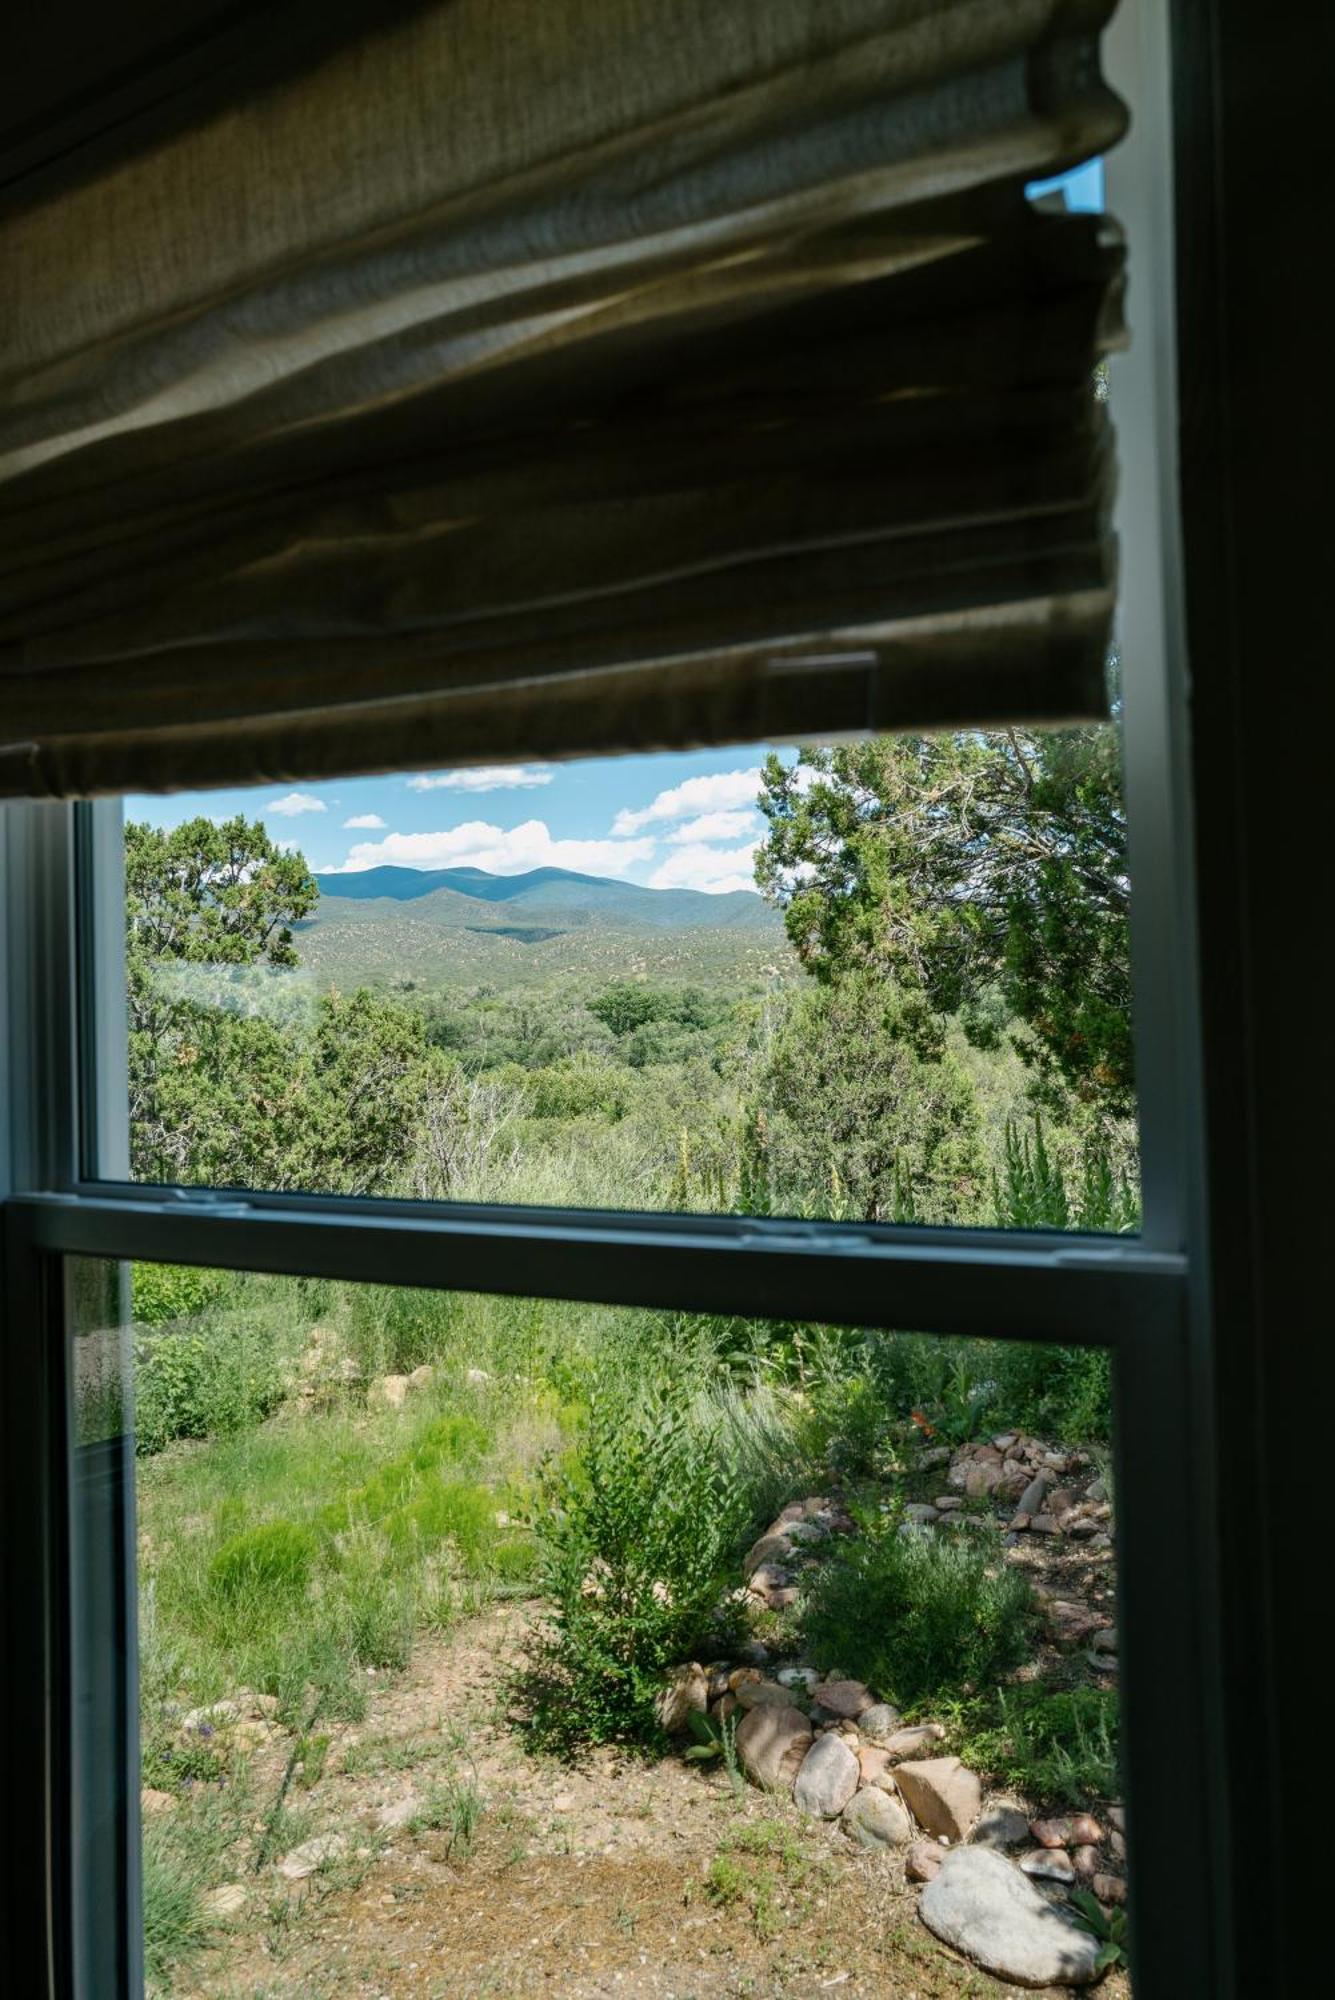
[[288, 846], [722, 791], [293, 803], [713, 869], [500, 850], [364, 820], [483, 778], [712, 826]]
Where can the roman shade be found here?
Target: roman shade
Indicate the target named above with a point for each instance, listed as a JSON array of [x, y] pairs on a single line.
[[565, 378]]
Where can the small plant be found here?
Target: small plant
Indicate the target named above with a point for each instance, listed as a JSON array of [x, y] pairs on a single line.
[[272, 1561], [636, 1538], [1108, 1926], [915, 1615], [763, 1867], [716, 1738], [455, 1808], [1060, 1743]]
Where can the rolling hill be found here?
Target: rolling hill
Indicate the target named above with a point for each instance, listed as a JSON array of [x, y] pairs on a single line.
[[450, 926]]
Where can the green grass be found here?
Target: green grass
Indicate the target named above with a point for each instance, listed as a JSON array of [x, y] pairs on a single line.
[[1058, 1744]]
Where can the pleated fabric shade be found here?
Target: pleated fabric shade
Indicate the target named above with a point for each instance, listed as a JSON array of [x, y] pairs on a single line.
[[545, 380]]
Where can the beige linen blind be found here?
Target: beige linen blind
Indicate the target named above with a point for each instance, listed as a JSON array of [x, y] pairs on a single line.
[[547, 379]]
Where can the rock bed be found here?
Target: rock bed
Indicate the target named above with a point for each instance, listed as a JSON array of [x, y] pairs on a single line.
[[994, 1881]]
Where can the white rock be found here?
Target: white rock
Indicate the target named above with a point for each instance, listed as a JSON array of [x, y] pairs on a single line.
[[877, 1819], [983, 1907], [312, 1854], [944, 1796], [828, 1778], [399, 1813], [772, 1744], [228, 1900]]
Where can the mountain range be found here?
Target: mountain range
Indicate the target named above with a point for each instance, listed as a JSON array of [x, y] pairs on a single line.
[[450, 924]]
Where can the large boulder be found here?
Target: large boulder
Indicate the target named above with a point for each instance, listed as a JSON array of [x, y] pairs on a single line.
[[981, 1906], [828, 1778], [772, 1744], [943, 1795]]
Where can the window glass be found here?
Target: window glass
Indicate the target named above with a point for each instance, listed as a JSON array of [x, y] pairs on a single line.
[[881, 980], [454, 1611]]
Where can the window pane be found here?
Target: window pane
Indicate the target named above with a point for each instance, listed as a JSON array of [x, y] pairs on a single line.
[[465, 1625], [881, 980]]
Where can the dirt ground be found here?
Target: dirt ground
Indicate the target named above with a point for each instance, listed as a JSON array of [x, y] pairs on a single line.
[[580, 1882]]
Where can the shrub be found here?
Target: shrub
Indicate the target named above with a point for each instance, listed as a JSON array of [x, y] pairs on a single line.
[[1059, 1744], [636, 1541], [210, 1381], [918, 1615], [274, 1560], [171, 1291]]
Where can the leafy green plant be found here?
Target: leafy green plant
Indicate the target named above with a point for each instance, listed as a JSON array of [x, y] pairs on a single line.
[[1060, 1743], [636, 1535], [914, 1615], [205, 1379], [1108, 1926], [273, 1560], [161, 1292]]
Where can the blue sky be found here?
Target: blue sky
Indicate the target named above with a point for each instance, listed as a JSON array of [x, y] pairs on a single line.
[[681, 820]]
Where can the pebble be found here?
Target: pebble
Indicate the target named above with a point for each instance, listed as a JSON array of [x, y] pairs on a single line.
[[924, 1859]]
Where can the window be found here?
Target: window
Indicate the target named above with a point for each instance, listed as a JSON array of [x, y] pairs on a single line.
[[75, 1219]]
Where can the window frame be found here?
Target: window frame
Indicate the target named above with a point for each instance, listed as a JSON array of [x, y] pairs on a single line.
[[1144, 1298]]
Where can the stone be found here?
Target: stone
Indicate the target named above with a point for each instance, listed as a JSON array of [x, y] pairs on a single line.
[[718, 1679], [1004, 1442], [152, 1803], [1049, 1864], [1001, 1827], [805, 1678], [391, 1389], [804, 1533], [828, 1778], [947, 1503], [1085, 1861], [877, 1819], [726, 1705], [1070, 1830], [1117, 1818], [685, 1693], [958, 1475], [920, 1515], [769, 1576], [740, 1674], [913, 1741], [943, 1795], [1069, 1622], [939, 1454], [1031, 1500], [1043, 1524], [1105, 1640], [423, 1377], [312, 1854], [227, 1900], [1061, 1501], [879, 1722], [1020, 1523], [770, 1548], [843, 1698], [1109, 1888], [874, 1765], [399, 1813], [765, 1694], [772, 1744], [982, 1906], [1117, 1842], [982, 1478], [1010, 1486], [476, 1378], [1096, 1490], [924, 1860]]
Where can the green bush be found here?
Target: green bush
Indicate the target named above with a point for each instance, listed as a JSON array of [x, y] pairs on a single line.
[[274, 1560], [210, 1381], [1059, 1744], [637, 1540], [160, 1292], [918, 1615]]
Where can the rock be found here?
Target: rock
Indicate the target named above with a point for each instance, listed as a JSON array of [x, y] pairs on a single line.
[[423, 1377], [874, 1765], [828, 1778], [1043, 1524], [924, 1860], [1117, 1818], [877, 1819], [1105, 1640], [937, 1454], [1019, 1523], [1006, 1440], [1070, 1830], [152, 1803], [1010, 1486], [1000, 1827], [399, 1813], [765, 1694], [843, 1698], [726, 1705], [1061, 1501], [1070, 1622], [770, 1548], [982, 1478], [800, 1533], [947, 1503], [476, 1378], [391, 1389], [1031, 1500], [1097, 1490], [1117, 1842], [913, 1741], [879, 1722], [740, 1674], [685, 1693], [1085, 1861], [958, 1475], [920, 1515], [984, 1908], [1109, 1888], [1049, 1864], [252, 1735], [772, 1744], [312, 1854], [227, 1900], [718, 1679], [805, 1678], [943, 1795]]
